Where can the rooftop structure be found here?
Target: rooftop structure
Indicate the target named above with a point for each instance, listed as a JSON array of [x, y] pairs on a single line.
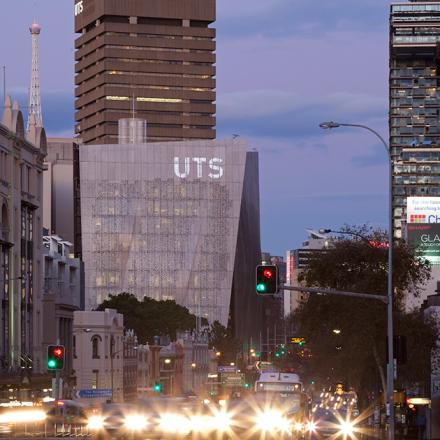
[[414, 104], [34, 89], [153, 58]]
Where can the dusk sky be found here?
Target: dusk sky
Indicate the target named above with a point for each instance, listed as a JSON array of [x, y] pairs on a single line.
[[283, 66]]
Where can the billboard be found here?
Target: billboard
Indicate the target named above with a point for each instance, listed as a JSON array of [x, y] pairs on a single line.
[[424, 238], [423, 210]]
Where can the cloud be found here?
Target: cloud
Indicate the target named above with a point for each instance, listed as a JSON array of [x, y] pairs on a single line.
[[278, 18], [281, 114]]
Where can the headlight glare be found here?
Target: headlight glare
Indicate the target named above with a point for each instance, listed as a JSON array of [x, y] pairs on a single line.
[[135, 422], [346, 428], [272, 421], [175, 423], [222, 421], [311, 426], [95, 423], [298, 426]]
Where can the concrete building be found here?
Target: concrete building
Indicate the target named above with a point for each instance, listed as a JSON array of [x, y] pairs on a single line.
[[171, 365], [62, 295], [143, 370], [431, 308], [130, 367], [98, 362], [58, 213], [155, 58], [21, 187], [296, 260], [414, 101], [196, 362], [174, 220]]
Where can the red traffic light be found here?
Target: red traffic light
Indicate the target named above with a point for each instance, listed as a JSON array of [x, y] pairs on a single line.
[[267, 273], [58, 352], [266, 279]]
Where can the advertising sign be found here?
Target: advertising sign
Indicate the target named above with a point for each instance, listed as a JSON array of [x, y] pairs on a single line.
[[423, 210], [424, 238]]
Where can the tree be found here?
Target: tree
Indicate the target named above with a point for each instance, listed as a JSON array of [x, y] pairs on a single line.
[[223, 340], [149, 317], [347, 336]]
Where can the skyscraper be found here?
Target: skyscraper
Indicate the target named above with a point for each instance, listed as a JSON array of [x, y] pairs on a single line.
[[414, 107], [154, 59]]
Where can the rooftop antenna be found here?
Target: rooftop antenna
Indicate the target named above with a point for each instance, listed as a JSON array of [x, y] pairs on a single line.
[[34, 90]]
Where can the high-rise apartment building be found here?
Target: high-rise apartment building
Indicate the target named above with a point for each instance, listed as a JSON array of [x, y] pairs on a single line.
[[414, 104], [152, 58]]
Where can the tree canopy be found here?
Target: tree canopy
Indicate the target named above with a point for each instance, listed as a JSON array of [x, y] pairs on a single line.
[[347, 336], [149, 317]]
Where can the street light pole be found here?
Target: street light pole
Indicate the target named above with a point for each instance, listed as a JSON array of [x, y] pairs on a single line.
[[390, 368]]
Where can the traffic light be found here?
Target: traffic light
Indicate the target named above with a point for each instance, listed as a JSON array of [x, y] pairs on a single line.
[[157, 387], [267, 280], [55, 357]]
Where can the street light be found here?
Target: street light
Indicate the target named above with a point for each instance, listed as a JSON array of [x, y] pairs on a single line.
[[390, 369], [337, 331]]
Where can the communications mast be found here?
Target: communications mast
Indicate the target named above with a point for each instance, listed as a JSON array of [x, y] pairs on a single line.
[[34, 90]]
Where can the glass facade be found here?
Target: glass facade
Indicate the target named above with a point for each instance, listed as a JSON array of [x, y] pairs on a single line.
[[414, 104], [161, 220]]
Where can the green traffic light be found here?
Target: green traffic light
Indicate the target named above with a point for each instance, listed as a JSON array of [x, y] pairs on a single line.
[[246, 386], [157, 388], [277, 355], [52, 363], [261, 287]]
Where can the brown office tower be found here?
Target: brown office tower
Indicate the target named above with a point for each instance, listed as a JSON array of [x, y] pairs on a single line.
[[151, 58]]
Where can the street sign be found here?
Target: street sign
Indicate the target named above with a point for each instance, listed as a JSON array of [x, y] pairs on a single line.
[[232, 379], [265, 366], [94, 394], [227, 369]]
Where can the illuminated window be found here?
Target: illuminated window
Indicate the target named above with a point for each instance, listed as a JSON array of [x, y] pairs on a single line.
[[143, 99], [117, 98]]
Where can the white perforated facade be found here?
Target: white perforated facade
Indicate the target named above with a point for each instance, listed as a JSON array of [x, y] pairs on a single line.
[[161, 220]]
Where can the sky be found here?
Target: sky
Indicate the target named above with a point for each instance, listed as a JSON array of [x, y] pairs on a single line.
[[283, 66]]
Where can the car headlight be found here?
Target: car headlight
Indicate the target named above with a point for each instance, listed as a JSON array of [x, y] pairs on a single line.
[[135, 422], [95, 423], [346, 428], [174, 423], [23, 416], [200, 423], [272, 421], [298, 426], [311, 426], [221, 421]]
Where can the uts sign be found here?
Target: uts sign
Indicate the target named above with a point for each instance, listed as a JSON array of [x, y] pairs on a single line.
[[423, 210], [79, 7], [203, 166], [425, 240]]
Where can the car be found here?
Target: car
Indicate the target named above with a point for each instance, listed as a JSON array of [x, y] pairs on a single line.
[[117, 421], [329, 422]]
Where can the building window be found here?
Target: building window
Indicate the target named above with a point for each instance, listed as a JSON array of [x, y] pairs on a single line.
[[95, 346], [74, 346], [95, 381]]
